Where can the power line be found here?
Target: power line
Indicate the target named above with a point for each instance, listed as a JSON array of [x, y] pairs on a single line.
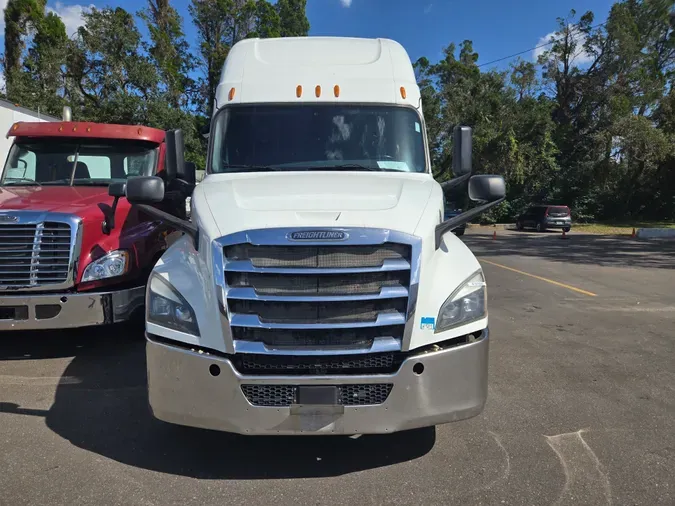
[[531, 49]]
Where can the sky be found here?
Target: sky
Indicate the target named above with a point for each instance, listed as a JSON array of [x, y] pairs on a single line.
[[498, 28]]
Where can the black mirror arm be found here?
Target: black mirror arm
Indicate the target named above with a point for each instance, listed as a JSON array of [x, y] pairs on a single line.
[[182, 225], [447, 226], [109, 222], [183, 187], [455, 182]]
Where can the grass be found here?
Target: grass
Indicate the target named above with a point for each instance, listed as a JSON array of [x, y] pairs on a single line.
[[619, 228]]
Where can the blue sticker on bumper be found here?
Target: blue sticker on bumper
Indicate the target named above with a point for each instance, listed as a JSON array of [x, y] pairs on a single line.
[[428, 323]]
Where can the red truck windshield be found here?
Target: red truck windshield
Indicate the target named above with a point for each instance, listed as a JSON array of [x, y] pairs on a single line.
[[62, 162]]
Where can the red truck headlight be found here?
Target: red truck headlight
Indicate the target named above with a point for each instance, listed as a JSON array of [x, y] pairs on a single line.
[[115, 263]]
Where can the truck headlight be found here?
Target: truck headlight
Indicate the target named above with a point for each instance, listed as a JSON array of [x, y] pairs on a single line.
[[168, 308], [466, 304], [113, 264]]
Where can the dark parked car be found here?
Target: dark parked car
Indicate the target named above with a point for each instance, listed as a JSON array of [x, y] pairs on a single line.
[[544, 216], [451, 213]]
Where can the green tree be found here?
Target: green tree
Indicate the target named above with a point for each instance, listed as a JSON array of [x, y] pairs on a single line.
[[431, 104], [220, 24], [267, 21], [293, 19], [113, 78], [524, 78], [43, 80], [20, 17], [169, 49]]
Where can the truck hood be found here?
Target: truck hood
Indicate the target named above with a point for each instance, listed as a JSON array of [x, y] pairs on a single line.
[[303, 199], [64, 199]]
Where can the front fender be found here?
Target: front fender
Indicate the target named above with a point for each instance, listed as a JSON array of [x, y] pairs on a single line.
[[442, 271], [190, 272]]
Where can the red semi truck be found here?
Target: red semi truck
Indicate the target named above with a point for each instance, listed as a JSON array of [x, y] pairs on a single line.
[[72, 252]]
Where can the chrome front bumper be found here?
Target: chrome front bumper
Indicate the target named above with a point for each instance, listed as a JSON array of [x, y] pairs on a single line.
[[68, 310], [182, 390]]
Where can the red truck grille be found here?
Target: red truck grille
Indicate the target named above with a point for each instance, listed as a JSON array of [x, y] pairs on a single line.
[[34, 255]]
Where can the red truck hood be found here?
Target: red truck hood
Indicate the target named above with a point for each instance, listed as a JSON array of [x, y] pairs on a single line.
[[144, 238], [79, 200]]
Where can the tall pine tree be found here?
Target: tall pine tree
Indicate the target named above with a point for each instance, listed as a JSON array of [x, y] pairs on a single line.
[[169, 49]]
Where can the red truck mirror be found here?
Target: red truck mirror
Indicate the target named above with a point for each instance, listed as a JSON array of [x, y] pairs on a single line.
[[117, 190], [145, 189]]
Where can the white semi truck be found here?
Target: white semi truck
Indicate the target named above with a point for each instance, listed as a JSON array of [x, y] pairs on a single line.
[[318, 289]]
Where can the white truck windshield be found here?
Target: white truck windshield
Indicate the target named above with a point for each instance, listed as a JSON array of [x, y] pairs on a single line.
[[318, 137], [62, 162]]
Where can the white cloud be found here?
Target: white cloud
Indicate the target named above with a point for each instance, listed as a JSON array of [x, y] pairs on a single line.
[[345, 3], [581, 57], [3, 5], [427, 9], [71, 15]]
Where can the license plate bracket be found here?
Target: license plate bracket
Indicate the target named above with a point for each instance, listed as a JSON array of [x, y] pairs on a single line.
[[324, 395], [13, 312]]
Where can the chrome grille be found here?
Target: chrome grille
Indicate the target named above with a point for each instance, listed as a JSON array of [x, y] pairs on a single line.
[[363, 363], [365, 283], [34, 255], [339, 338], [318, 312], [269, 395], [336, 257], [366, 394], [317, 296]]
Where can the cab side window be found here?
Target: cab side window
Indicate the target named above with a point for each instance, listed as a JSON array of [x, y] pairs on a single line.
[[22, 166]]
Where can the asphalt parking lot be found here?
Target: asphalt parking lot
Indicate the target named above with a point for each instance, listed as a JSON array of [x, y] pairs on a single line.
[[581, 406]]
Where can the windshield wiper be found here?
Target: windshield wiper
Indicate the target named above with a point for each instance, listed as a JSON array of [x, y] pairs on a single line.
[[57, 181], [91, 182], [79, 182], [345, 166], [22, 179], [250, 168]]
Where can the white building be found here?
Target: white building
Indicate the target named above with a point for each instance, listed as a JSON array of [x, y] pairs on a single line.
[[10, 114]]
